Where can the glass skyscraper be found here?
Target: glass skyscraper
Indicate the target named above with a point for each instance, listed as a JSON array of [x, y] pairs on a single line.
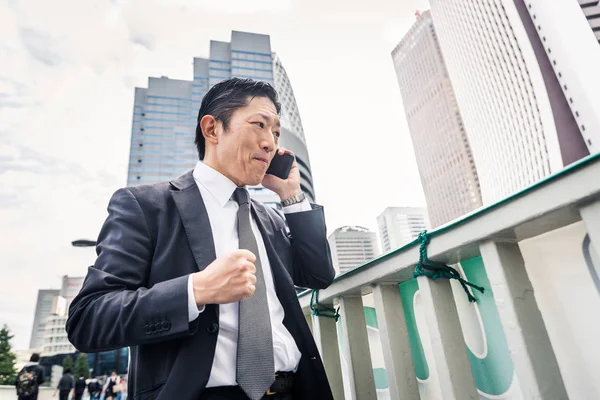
[[164, 115]]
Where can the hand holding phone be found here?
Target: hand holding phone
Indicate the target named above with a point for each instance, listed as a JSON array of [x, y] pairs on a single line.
[[281, 164]]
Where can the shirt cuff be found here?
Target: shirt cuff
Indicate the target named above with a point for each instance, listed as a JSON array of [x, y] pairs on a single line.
[[193, 310], [304, 205]]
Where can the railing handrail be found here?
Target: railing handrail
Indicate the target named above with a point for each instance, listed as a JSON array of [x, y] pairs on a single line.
[[561, 203]]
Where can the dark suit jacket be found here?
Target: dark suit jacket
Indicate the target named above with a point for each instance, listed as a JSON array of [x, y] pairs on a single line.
[[136, 293]]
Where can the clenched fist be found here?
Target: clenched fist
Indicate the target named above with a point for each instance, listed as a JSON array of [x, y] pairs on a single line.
[[227, 279]]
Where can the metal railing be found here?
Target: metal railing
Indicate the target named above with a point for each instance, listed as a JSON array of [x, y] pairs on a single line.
[[421, 339]]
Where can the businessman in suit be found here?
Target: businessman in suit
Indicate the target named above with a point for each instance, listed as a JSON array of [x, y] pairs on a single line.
[[198, 279]]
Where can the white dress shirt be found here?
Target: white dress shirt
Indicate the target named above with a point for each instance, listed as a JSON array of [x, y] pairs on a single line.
[[217, 190]]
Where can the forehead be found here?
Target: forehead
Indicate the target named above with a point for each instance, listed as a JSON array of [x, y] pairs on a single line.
[[261, 104]]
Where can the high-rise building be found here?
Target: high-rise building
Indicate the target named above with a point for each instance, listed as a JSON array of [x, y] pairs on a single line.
[[442, 150], [164, 115], [56, 340], [569, 60], [400, 225], [591, 10], [352, 246], [515, 111], [43, 309]]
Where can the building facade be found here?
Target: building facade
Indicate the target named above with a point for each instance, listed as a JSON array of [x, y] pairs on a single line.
[[444, 158], [56, 340], [524, 78], [351, 247], [164, 115], [401, 225], [43, 309], [569, 60]]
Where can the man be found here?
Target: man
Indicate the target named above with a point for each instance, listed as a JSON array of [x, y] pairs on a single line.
[[94, 389], [29, 379], [66, 386], [199, 280], [79, 387]]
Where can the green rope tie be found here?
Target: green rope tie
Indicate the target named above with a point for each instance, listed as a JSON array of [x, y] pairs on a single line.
[[320, 310], [435, 270]]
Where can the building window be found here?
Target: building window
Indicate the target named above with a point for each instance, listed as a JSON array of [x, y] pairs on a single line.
[[539, 28], [143, 114], [142, 129], [559, 75], [139, 161], [583, 128], [590, 142], [577, 113], [565, 86], [139, 177], [549, 50], [141, 144], [544, 38], [533, 16], [571, 100], [554, 62]]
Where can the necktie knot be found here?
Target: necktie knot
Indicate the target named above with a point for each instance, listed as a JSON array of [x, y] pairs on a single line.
[[241, 196]]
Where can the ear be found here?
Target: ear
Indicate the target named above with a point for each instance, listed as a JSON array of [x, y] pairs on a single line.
[[210, 129]]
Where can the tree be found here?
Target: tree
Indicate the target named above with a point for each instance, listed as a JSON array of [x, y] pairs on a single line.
[[82, 367], [7, 358], [67, 363]]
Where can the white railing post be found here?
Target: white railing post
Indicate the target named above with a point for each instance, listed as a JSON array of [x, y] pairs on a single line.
[[325, 333], [532, 354], [308, 317], [591, 217], [447, 341], [356, 348], [397, 355]]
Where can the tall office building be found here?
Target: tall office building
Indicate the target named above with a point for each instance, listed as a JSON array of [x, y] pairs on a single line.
[[515, 110], [442, 150], [400, 225], [56, 340], [164, 115], [351, 247], [591, 10], [43, 309]]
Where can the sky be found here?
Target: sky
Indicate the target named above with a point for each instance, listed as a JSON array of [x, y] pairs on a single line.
[[68, 69]]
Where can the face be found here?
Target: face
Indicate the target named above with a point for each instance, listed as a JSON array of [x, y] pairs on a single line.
[[243, 152]]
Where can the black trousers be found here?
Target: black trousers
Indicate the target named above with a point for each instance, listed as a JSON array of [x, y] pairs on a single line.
[[64, 394], [236, 393]]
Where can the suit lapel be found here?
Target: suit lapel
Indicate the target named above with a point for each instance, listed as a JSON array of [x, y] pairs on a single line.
[[195, 220]]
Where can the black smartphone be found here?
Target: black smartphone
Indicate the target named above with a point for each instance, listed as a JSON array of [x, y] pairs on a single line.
[[281, 165]]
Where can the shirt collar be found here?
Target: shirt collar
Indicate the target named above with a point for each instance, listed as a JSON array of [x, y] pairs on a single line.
[[217, 184]]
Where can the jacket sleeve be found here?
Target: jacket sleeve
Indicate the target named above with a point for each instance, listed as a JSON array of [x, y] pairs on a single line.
[[312, 265], [115, 307]]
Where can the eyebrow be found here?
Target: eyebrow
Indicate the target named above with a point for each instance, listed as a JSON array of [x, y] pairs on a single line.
[[266, 118]]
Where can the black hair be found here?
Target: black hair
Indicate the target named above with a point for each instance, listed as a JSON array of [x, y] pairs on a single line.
[[225, 97], [67, 371], [35, 357]]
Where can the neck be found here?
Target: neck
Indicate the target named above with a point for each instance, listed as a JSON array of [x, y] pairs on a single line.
[[214, 164]]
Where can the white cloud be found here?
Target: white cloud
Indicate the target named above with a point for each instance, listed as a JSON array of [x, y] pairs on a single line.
[[66, 98]]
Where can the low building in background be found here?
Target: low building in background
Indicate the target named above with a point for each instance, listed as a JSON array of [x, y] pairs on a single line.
[[351, 247]]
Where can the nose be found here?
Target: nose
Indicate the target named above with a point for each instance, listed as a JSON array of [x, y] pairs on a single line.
[[267, 143]]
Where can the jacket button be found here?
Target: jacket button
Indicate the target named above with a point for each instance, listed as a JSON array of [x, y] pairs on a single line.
[[166, 325], [213, 328], [147, 329], [152, 328]]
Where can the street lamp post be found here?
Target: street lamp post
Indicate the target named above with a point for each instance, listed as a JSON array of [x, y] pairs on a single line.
[[83, 243]]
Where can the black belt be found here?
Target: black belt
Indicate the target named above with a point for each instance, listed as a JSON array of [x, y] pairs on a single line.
[[284, 383]]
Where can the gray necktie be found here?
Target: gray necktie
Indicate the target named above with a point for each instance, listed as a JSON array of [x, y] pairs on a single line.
[[255, 363]]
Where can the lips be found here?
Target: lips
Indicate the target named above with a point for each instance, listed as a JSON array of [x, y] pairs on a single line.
[[262, 160]]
